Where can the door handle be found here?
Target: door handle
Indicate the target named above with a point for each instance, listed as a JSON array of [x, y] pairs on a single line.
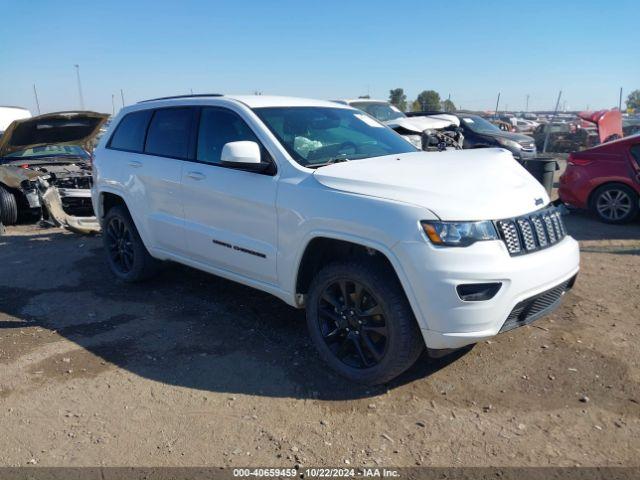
[[135, 164], [195, 175]]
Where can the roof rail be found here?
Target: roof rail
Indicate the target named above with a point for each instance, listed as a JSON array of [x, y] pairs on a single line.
[[195, 95]]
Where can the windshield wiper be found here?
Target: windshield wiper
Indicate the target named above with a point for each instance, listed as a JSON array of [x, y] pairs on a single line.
[[329, 162]]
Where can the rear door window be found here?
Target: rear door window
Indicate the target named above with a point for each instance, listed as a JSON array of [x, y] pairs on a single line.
[[171, 132], [130, 133]]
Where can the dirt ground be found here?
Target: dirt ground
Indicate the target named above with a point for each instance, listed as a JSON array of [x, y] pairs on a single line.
[[190, 369]]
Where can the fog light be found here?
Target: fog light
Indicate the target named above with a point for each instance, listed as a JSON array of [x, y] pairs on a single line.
[[477, 292]]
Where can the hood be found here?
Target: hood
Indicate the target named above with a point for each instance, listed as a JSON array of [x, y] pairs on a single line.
[[62, 128], [609, 123], [482, 184], [516, 137], [419, 124]]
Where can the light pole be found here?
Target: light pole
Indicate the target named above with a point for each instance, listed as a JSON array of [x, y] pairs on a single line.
[[79, 86], [35, 93]]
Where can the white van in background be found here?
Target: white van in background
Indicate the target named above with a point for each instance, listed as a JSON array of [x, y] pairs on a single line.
[[9, 114]]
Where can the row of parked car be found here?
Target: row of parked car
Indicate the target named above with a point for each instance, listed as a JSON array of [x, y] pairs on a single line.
[[45, 166]]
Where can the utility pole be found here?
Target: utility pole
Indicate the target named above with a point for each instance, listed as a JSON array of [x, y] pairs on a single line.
[[546, 137], [35, 93], [79, 86], [113, 104], [122, 96], [526, 109], [495, 115], [620, 100]]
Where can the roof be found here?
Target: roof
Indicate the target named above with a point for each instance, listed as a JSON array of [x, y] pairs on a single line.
[[14, 108], [361, 100], [253, 101], [258, 101]]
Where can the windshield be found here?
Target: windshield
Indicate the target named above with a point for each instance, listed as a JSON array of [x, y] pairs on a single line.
[[479, 125], [50, 151], [382, 111], [315, 136]]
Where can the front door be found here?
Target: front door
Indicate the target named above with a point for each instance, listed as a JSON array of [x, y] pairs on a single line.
[[230, 214]]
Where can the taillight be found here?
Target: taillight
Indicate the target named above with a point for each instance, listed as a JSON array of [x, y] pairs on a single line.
[[580, 162]]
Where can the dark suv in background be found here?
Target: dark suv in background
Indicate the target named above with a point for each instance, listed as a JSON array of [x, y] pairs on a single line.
[[479, 133]]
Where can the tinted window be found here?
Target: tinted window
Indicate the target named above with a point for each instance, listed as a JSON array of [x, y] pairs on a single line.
[[218, 127], [635, 153], [170, 132], [130, 132]]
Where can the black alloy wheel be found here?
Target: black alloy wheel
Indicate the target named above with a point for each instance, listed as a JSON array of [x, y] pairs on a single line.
[[352, 324], [615, 203], [120, 245]]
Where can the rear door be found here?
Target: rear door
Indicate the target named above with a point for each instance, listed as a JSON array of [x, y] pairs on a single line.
[[230, 214], [170, 141], [155, 144]]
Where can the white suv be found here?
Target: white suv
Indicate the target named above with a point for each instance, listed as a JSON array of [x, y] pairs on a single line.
[[388, 248]]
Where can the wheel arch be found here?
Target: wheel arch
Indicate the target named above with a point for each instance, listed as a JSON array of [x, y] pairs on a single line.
[[108, 199], [321, 248], [609, 182]]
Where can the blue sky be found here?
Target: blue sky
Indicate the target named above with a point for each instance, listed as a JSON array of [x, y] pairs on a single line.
[[322, 49]]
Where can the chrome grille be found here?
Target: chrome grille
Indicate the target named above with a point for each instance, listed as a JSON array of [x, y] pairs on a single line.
[[551, 233], [510, 236], [540, 231], [532, 232]]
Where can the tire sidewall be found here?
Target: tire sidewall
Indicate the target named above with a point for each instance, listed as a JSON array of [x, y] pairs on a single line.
[[138, 247], [381, 293], [629, 191]]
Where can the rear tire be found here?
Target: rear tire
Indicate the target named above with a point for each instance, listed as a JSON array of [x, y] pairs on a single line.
[[369, 335], [615, 203], [127, 256], [8, 207]]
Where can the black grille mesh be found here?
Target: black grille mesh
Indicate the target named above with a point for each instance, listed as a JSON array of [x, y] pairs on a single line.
[[535, 307], [532, 232]]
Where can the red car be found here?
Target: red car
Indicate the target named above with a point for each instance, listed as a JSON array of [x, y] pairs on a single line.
[[605, 179]]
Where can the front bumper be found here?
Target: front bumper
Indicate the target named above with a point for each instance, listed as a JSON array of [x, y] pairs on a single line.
[[433, 274], [57, 202]]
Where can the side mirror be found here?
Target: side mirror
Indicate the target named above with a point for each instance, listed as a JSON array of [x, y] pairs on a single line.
[[241, 154]]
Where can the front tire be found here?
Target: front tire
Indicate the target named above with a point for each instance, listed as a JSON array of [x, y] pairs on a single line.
[[127, 256], [361, 323], [615, 203], [8, 207]]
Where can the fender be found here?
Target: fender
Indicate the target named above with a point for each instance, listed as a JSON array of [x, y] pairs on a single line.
[[606, 180], [99, 210], [365, 242]]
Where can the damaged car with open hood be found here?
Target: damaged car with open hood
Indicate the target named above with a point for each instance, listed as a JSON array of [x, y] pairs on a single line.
[[436, 132], [45, 170]]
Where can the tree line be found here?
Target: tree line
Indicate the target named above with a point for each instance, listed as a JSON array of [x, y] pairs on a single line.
[[427, 100]]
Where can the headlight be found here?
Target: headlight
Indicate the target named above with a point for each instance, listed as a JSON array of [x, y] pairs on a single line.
[[508, 143], [459, 234], [415, 140]]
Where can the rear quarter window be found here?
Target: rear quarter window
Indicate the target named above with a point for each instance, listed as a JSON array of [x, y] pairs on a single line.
[[130, 132]]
